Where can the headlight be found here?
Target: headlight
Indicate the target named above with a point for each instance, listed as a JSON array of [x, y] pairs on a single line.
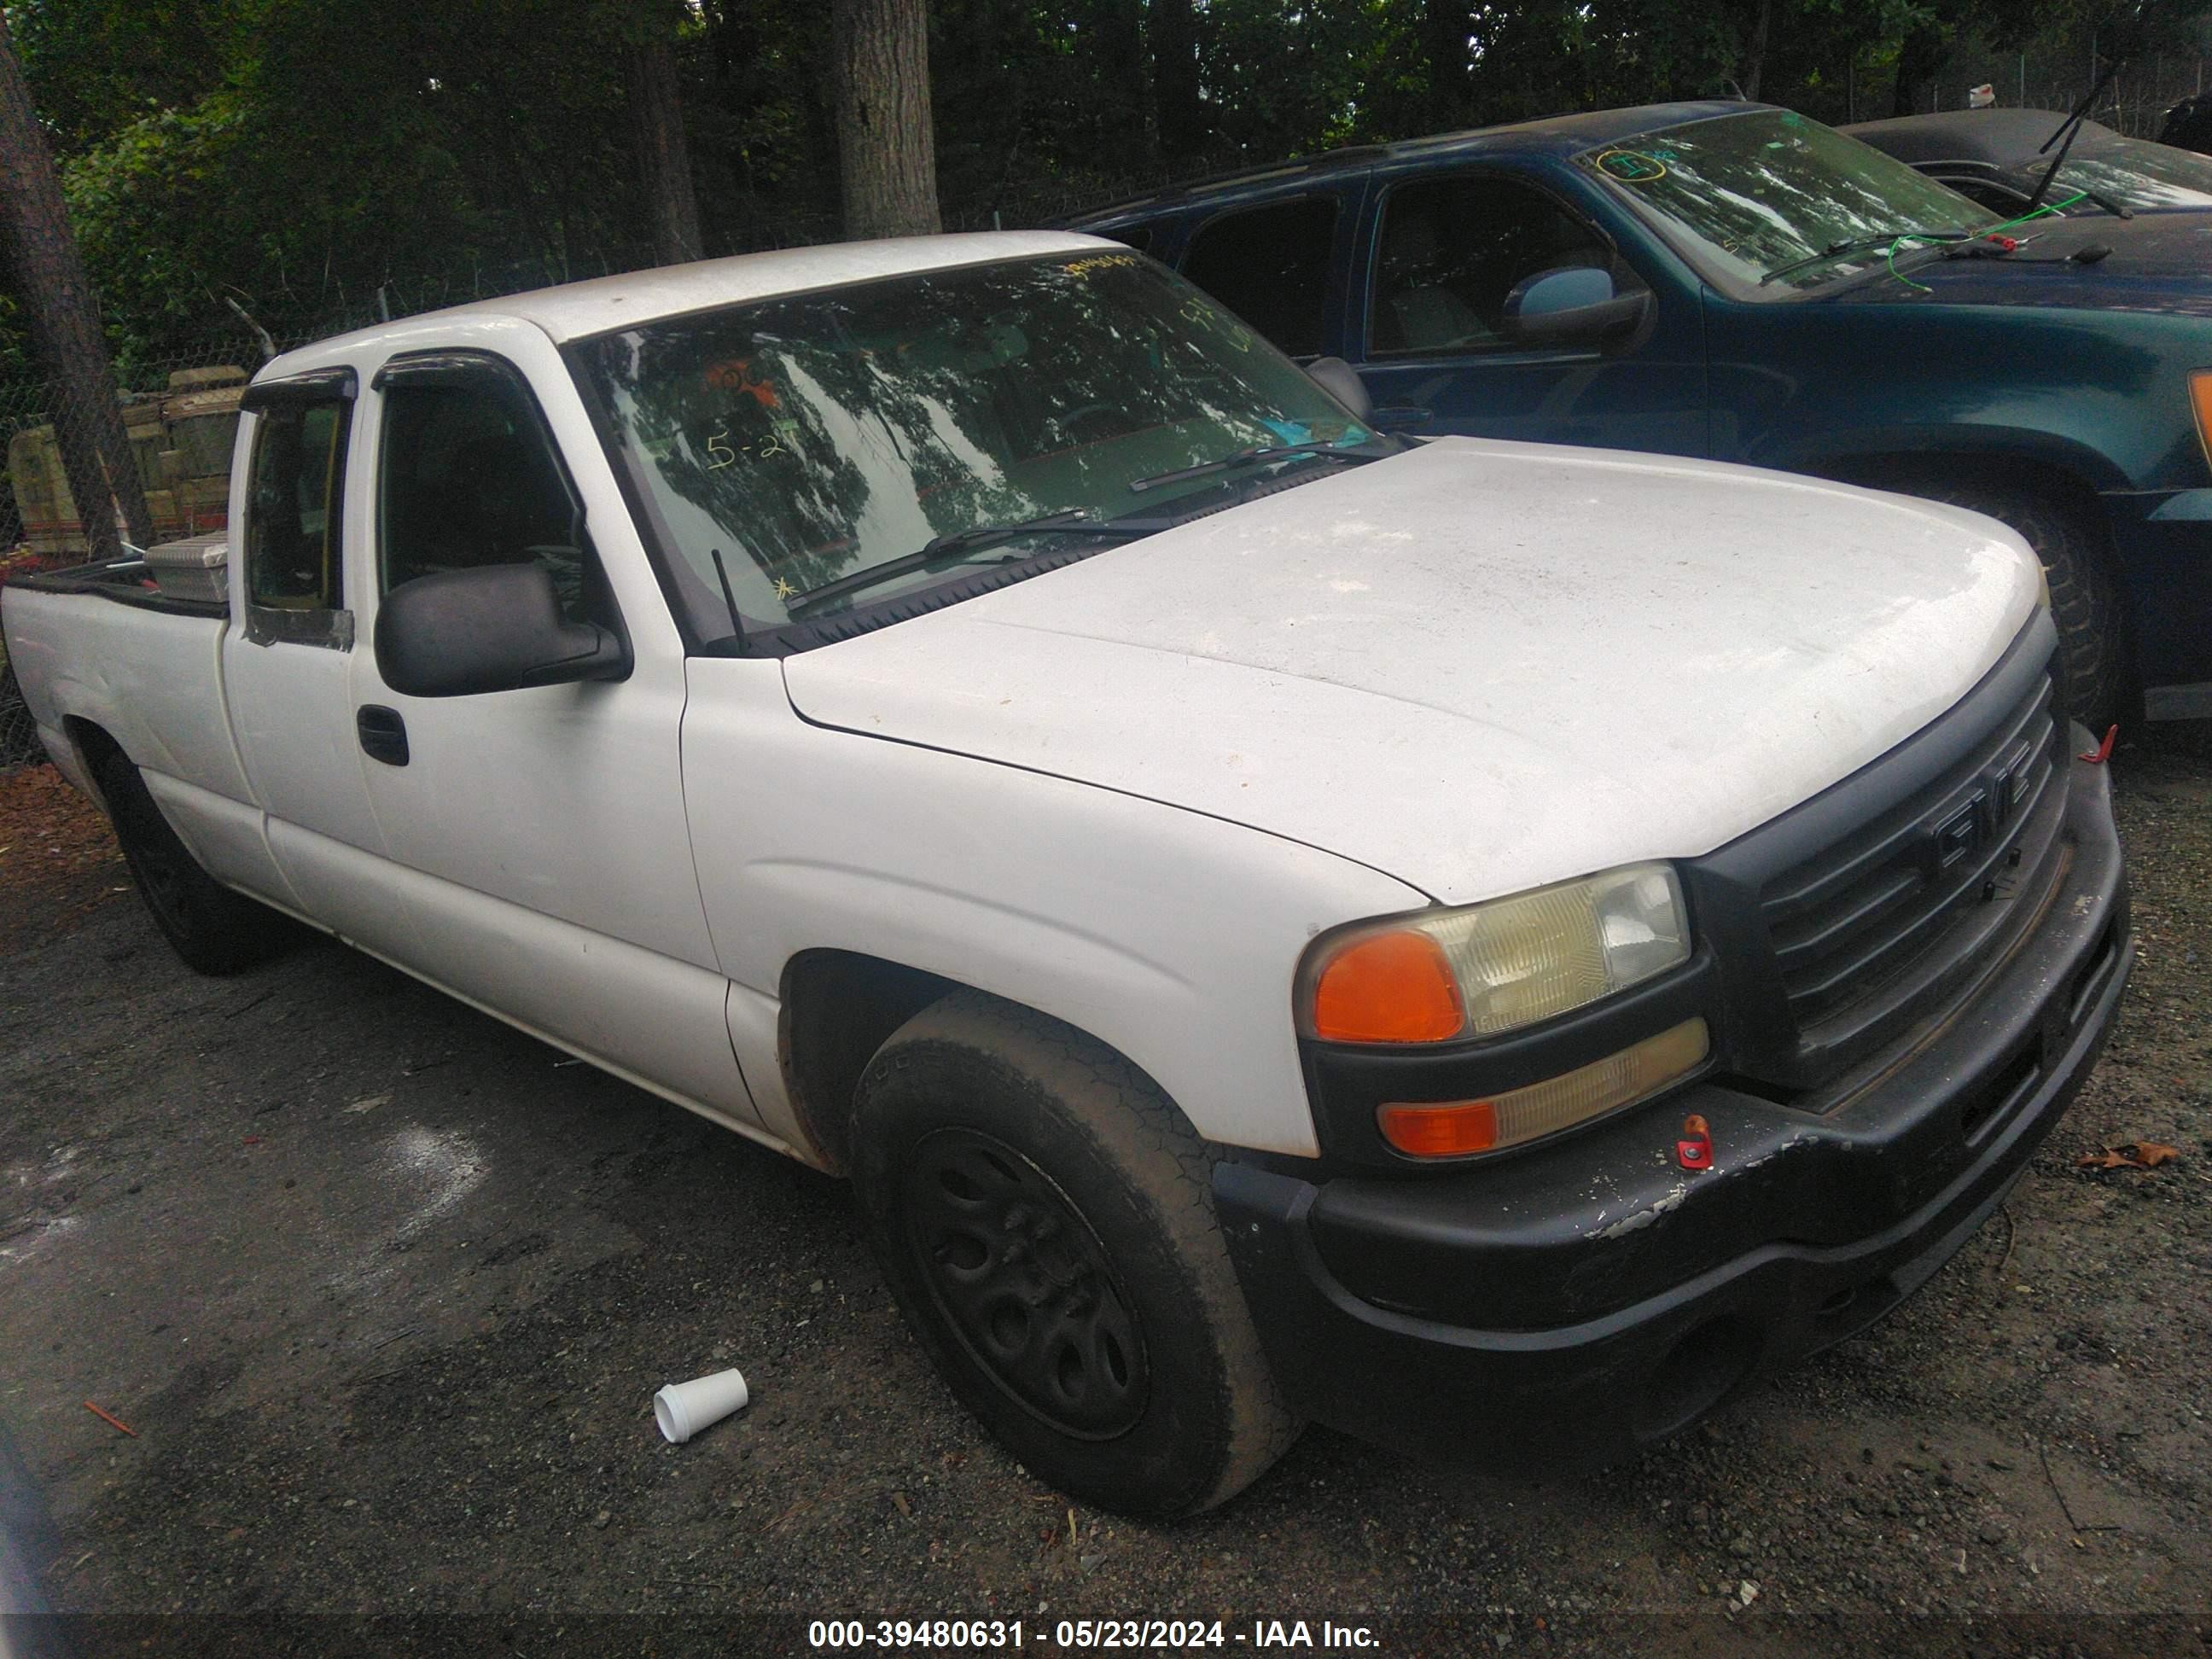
[[1484, 969]]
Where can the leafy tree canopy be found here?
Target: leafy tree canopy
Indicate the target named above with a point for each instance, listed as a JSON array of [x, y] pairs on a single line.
[[290, 158]]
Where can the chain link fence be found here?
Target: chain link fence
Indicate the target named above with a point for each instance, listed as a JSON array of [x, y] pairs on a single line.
[[2055, 75]]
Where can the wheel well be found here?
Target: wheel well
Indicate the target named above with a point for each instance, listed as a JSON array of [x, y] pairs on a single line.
[[838, 1008], [1909, 474], [93, 744]]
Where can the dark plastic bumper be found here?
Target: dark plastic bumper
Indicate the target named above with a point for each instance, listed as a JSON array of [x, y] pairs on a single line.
[[1559, 1309], [2164, 545]]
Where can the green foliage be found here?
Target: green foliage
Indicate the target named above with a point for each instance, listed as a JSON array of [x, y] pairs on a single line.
[[291, 157]]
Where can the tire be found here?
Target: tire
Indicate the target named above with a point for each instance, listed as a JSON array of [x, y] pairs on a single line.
[[2092, 627], [1044, 1216], [213, 929]]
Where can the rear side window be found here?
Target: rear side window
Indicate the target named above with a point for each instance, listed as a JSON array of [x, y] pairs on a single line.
[[1270, 265], [1138, 237], [292, 530]]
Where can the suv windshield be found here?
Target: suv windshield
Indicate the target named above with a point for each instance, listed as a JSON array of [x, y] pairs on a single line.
[[1745, 196], [811, 438], [2133, 172]]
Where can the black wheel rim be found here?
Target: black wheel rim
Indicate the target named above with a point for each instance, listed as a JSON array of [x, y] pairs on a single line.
[[1023, 1283]]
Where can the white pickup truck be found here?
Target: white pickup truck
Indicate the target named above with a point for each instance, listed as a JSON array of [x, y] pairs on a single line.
[[1489, 946]]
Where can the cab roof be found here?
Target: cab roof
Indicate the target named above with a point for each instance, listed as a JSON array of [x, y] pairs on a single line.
[[1552, 135], [575, 310]]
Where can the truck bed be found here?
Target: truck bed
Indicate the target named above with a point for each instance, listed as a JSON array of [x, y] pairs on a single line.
[[101, 643], [126, 580]]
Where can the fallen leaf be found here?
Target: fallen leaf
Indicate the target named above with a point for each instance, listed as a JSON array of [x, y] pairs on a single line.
[[2135, 1155]]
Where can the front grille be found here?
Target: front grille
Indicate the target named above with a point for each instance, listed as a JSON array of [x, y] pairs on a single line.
[[1848, 925]]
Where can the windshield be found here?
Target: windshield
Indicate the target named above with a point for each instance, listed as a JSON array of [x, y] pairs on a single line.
[[1746, 195], [2134, 173], [812, 437]]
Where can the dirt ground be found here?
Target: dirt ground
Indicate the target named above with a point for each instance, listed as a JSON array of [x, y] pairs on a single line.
[[383, 1289]]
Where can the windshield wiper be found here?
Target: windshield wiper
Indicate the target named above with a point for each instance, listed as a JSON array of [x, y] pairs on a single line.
[[1864, 245], [1077, 521], [2069, 130], [2098, 198], [1249, 457]]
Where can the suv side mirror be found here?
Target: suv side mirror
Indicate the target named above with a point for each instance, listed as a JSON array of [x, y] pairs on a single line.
[[1341, 382], [1574, 307], [495, 627]]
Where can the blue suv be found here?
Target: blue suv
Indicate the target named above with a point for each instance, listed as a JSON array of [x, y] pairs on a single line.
[[1740, 283]]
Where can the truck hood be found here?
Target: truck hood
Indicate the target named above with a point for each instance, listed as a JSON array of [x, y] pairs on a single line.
[[2159, 262], [1476, 666]]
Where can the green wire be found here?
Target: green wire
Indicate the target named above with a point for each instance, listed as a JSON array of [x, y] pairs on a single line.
[[2048, 207]]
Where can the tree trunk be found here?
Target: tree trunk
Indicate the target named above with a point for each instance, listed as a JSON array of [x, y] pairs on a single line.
[[1447, 26], [63, 320], [886, 149], [1174, 79], [1119, 61], [1754, 63], [1920, 58], [664, 160]]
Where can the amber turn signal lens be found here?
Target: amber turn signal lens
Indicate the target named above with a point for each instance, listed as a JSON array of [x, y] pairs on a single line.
[[1388, 988], [2200, 394], [1452, 1130]]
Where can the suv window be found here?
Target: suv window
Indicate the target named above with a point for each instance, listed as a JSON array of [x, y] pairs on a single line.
[[469, 478], [292, 531], [1452, 249], [1270, 266]]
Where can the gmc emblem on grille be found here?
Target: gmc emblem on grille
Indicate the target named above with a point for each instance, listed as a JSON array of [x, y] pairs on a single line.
[[1958, 835], [2008, 784]]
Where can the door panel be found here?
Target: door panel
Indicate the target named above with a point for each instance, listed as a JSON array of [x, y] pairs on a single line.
[[657, 1021], [287, 669], [539, 833], [1443, 254]]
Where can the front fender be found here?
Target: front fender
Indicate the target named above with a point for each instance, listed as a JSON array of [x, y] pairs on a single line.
[[1170, 935], [1821, 385]]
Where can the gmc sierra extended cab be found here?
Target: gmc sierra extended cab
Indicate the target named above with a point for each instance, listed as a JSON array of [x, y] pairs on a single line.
[[1491, 946]]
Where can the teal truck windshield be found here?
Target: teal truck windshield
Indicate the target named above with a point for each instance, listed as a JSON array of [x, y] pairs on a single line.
[[1771, 201], [811, 438]]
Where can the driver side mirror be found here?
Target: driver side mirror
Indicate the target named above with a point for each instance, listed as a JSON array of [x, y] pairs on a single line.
[[1341, 382], [1574, 307], [495, 627]]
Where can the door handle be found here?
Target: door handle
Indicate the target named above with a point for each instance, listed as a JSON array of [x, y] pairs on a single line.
[[1391, 419], [383, 733]]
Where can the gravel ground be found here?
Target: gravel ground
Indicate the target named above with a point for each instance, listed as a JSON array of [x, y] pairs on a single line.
[[383, 1289]]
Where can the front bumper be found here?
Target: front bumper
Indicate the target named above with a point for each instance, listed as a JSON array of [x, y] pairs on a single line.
[[1561, 1307], [2163, 543]]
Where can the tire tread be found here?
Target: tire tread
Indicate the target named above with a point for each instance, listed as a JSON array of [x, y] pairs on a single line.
[[1140, 1131]]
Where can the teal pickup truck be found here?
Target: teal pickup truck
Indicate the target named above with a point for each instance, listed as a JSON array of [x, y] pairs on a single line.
[[1740, 283]]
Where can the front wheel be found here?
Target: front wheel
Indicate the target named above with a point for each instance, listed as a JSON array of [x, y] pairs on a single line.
[[1044, 1216], [2084, 604]]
